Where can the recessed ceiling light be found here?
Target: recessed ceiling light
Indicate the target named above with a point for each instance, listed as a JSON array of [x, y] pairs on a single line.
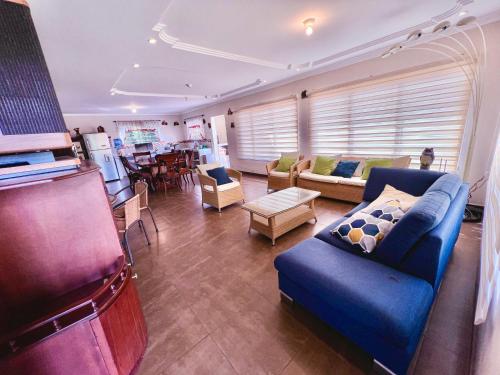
[[136, 65], [189, 85], [152, 41], [113, 93], [308, 24], [462, 13], [133, 110]]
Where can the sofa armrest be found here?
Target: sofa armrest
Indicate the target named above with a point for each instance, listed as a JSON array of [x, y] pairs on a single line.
[[234, 174], [303, 165], [207, 180], [271, 165]]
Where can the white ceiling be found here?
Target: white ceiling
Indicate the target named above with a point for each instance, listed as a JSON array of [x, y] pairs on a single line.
[[90, 46]]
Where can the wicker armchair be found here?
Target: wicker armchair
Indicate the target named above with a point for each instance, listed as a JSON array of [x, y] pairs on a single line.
[[281, 180], [223, 195]]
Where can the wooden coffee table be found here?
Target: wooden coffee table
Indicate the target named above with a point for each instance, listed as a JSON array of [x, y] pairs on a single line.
[[278, 213]]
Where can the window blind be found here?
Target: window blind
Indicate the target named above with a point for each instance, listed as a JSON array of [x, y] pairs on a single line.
[[396, 116], [265, 131]]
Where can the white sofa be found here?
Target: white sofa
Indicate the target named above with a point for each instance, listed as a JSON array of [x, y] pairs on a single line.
[[346, 189]]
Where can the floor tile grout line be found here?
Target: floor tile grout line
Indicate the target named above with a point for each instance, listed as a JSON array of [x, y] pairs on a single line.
[[224, 354]]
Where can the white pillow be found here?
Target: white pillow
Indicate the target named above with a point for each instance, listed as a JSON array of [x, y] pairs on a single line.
[[406, 201]]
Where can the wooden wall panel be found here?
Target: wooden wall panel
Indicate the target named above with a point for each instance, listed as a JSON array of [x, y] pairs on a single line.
[[28, 102]]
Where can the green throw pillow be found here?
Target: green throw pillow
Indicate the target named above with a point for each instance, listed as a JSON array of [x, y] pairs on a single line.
[[285, 163], [370, 163], [323, 165]]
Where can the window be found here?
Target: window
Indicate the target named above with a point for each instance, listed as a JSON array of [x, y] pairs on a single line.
[[265, 131], [136, 132], [195, 129], [396, 116]]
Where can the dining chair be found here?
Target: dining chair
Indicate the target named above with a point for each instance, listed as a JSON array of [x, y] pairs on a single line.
[[185, 162], [141, 189], [127, 216], [167, 171], [135, 174]]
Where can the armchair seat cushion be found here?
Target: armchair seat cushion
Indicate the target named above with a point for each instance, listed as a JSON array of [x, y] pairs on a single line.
[[276, 173], [353, 181], [385, 302], [308, 175], [225, 187]]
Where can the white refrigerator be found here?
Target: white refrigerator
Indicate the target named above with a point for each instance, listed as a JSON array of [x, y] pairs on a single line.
[[99, 150]]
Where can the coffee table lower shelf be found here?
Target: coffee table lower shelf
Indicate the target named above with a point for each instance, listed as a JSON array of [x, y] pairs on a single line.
[[280, 224]]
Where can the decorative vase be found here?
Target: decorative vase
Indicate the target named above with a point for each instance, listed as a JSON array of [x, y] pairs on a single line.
[[426, 158]]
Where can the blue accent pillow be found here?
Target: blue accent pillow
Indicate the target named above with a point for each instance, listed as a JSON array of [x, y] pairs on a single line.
[[345, 168], [220, 175]]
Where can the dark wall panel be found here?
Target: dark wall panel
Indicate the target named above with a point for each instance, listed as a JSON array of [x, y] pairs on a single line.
[[28, 102]]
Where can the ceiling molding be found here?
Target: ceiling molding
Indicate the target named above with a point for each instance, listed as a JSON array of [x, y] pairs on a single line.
[[188, 47], [93, 114], [306, 69], [117, 91], [160, 95], [331, 66], [194, 48]]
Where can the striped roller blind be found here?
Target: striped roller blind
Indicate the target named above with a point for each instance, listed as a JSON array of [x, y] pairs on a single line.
[[265, 131], [394, 116]]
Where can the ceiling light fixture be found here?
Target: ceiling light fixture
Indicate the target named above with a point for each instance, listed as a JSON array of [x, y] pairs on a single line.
[[152, 41], [462, 13], [136, 65], [308, 24], [133, 109]]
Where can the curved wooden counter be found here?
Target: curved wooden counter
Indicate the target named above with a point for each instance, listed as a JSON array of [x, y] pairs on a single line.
[[69, 305]]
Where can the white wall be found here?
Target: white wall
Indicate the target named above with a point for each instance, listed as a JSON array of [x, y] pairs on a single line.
[[89, 124], [369, 69]]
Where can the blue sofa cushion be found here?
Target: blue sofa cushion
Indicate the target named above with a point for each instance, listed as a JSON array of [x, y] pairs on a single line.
[[449, 184], [381, 299], [425, 215], [345, 168], [220, 175], [429, 257], [411, 181]]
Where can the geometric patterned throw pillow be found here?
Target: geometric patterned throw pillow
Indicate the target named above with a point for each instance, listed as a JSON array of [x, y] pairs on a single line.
[[363, 231], [390, 211]]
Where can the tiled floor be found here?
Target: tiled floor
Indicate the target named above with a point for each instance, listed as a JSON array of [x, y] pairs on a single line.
[[212, 305]]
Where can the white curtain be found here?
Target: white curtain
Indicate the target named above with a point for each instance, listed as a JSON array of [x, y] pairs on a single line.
[[490, 243], [195, 129], [486, 349]]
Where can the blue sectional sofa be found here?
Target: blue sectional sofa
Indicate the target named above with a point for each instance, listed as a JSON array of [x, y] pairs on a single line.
[[381, 300]]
